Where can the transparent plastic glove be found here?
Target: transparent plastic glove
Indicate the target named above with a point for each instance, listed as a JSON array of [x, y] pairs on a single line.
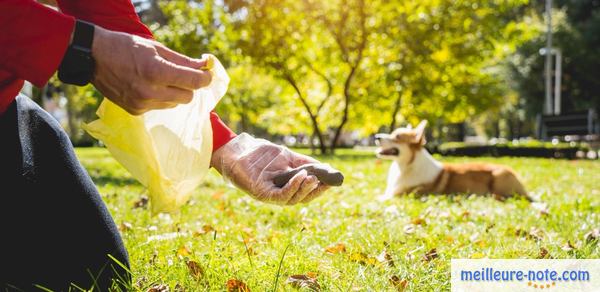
[[251, 164]]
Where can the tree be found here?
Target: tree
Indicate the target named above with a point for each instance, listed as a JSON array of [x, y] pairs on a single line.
[[576, 29], [317, 49]]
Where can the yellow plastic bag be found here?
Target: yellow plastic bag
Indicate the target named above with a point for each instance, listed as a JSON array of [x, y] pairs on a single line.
[[169, 150]]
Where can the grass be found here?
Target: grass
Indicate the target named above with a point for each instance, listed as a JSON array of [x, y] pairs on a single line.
[[231, 236]]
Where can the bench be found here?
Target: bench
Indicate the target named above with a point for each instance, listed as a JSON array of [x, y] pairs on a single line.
[[581, 125]]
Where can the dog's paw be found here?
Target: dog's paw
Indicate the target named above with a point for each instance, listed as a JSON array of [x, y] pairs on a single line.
[[384, 197]]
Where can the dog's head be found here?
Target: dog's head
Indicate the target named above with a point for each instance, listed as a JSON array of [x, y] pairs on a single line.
[[402, 143]]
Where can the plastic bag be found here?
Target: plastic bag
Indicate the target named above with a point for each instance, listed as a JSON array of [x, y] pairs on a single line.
[[169, 150]]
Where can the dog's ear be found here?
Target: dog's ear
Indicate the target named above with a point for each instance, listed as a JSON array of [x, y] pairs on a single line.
[[420, 130]]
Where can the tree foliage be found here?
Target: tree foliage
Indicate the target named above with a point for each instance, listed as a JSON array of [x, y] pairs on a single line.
[[325, 68]]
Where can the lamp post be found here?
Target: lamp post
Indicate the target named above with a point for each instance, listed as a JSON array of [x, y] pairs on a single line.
[[548, 99], [554, 107]]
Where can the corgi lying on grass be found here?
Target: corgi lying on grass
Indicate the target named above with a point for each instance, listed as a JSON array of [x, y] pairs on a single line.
[[414, 170]]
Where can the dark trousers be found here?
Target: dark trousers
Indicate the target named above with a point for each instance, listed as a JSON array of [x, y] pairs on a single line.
[[55, 230]]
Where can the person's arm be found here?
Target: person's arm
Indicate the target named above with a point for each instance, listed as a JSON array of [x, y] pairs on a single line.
[[34, 39], [119, 15]]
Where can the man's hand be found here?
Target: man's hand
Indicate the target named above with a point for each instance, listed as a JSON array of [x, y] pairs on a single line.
[[252, 164], [141, 75]]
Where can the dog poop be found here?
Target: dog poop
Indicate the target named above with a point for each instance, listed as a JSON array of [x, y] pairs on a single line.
[[325, 173]]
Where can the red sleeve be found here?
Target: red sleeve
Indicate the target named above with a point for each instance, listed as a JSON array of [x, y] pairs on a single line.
[[221, 133], [119, 15], [33, 40]]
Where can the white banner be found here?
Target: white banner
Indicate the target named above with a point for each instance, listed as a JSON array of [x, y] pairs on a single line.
[[525, 275]]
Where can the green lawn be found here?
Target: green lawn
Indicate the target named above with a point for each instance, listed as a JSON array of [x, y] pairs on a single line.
[[250, 238]]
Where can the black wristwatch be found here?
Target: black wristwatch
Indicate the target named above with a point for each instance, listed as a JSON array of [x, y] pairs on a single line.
[[77, 66]]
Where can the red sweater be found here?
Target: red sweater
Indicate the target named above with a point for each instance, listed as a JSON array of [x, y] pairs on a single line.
[[34, 38]]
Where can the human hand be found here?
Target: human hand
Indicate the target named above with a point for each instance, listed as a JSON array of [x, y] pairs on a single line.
[[252, 164], [140, 74]]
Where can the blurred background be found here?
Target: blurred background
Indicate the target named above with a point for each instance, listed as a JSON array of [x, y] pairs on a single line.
[[496, 77]]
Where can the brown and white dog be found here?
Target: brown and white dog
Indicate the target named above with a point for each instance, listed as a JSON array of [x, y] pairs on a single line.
[[414, 170]]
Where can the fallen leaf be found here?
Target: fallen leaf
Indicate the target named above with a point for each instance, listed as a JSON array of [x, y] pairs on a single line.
[[409, 229], [385, 258], [430, 255], [179, 288], [337, 248], [534, 233], [141, 203], [399, 284], [418, 221], [125, 226], [568, 246], [592, 236], [544, 254], [195, 269], [204, 230], [183, 251], [217, 195], [235, 285], [312, 275], [158, 288], [140, 282], [541, 207], [465, 214], [363, 259], [303, 281]]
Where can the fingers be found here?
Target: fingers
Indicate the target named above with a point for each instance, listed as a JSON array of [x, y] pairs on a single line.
[[315, 193], [174, 95], [171, 74], [180, 59], [282, 195], [310, 184]]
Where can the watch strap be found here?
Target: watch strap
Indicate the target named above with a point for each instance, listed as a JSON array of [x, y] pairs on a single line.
[[83, 36]]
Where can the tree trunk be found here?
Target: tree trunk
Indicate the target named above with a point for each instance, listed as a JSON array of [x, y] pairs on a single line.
[[313, 117], [395, 111], [339, 129]]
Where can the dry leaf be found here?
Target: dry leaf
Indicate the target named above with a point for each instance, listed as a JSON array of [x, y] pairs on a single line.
[[363, 259], [465, 214], [179, 288], [183, 251], [409, 229], [337, 248], [534, 233], [204, 230], [568, 246], [592, 236], [195, 269], [217, 195], [303, 281], [385, 258], [430, 255], [312, 275], [125, 226], [418, 221], [158, 288], [541, 207], [234, 285], [141, 203], [544, 254], [399, 284]]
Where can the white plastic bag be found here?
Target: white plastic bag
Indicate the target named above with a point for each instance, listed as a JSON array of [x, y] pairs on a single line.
[[169, 150]]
